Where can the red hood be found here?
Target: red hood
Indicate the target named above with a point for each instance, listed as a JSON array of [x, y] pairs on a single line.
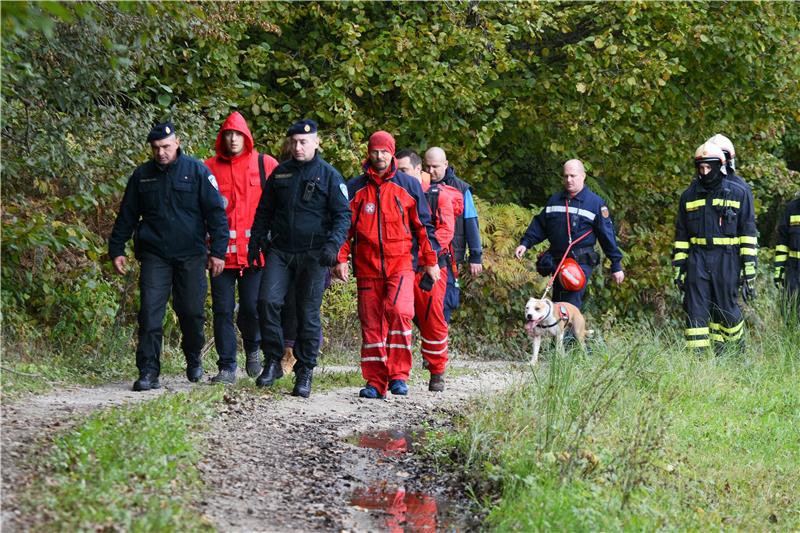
[[235, 121]]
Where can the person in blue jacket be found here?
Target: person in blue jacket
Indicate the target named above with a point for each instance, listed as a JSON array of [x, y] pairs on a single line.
[[300, 223], [467, 233], [585, 212], [170, 203]]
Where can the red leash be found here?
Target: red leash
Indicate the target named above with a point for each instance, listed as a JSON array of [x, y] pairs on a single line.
[[571, 244]]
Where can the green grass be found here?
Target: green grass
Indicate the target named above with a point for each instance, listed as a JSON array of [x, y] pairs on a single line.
[[642, 435], [126, 469]]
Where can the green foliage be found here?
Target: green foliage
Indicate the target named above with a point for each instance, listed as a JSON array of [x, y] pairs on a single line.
[[128, 468]]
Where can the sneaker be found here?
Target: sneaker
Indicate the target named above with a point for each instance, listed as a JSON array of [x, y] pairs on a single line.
[[226, 377], [398, 387], [370, 392], [436, 383], [253, 364]]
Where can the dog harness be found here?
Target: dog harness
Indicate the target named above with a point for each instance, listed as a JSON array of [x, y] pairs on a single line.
[[562, 312]]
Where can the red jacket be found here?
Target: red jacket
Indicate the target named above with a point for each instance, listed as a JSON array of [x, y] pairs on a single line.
[[449, 206], [389, 214], [240, 186]]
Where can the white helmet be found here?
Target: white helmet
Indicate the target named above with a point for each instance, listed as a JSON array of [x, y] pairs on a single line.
[[709, 152], [724, 143]]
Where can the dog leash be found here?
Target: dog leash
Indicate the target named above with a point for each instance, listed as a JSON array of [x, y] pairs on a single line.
[[566, 253]]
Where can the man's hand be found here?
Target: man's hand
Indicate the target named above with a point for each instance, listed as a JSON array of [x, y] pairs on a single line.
[[520, 251], [748, 290], [215, 265], [433, 271], [341, 271], [778, 281], [618, 276], [254, 258], [119, 264], [475, 269], [328, 257]]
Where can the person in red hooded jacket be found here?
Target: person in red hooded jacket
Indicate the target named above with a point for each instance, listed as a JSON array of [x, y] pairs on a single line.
[[390, 228], [241, 173]]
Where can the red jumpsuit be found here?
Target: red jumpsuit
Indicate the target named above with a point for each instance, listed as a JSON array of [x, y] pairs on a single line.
[[389, 214], [446, 203]]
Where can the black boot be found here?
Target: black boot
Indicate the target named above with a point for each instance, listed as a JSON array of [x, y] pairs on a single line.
[[147, 380], [302, 381], [253, 364], [270, 373], [194, 368]]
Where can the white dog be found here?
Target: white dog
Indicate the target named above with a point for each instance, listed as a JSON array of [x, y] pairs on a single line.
[[545, 317]]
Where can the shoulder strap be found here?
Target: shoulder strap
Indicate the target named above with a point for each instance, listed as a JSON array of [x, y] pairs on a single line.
[[262, 171], [433, 202]]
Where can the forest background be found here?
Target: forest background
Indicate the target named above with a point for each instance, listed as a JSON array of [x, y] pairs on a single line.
[[510, 90]]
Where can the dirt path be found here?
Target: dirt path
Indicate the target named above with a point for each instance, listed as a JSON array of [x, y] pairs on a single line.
[[279, 463]]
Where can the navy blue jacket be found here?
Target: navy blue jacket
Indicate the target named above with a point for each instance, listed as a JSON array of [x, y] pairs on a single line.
[[304, 206], [170, 210], [467, 232], [586, 211]]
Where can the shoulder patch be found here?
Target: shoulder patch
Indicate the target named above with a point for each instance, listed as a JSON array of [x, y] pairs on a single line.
[[343, 188], [213, 181], [604, 211]]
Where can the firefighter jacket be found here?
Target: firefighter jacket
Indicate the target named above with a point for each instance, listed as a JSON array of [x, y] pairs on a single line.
[[304, 206], [787, 249], [587, 211], [240, 183], [720, 218], [169, 210], [390, 219], [467, 233]]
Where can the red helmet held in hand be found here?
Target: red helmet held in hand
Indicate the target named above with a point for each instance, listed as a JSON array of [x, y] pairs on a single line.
[[571, 275]]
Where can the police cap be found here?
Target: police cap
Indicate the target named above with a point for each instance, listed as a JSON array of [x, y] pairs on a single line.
[[161, 131], [302, 126]]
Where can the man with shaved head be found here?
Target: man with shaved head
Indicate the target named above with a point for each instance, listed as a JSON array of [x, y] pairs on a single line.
[[467, 233], [567, 216]]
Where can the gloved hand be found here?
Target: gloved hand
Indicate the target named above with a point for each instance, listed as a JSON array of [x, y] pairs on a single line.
[[328, 257], [680, 281], [749, 290], [254, 258], [778, 281]]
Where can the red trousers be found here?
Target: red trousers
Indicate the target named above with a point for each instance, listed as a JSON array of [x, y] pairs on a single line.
[[386, 310], [429, 316]]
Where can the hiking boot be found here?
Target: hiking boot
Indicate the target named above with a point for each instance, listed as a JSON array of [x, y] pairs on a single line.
[[370, 392], [194, 368], [302, 382], [272, 372], [226, 377], [436, 383], [253, 364], [398, 387], [147, 380]]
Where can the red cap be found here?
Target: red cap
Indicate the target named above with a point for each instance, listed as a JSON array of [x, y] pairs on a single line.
[[381, 140]]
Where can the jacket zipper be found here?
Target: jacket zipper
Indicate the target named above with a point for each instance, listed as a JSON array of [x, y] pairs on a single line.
[[402, 214], [380, 239]]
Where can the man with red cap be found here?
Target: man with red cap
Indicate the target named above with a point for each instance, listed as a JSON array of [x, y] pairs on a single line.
[[390, 228], [241, 173]]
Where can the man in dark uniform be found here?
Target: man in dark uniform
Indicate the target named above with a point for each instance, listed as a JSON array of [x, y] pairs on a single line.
[[567, 216], [748, 287], [170, 203], [467, 234], [300, 223], [714, 241], [787, 255]]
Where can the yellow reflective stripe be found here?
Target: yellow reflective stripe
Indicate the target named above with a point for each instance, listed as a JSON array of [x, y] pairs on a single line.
[[781, 258], [701, 343], [794, 254], [680, 256], [683, 245], [716, 337], [734, 329], [697, 240], [726, 241], [744, 239], [794, 219], [747, 251], [778, 271], [726, 203], [714, 326], [749, 268], [695, 331], [781, 248], [696, 204], [735, 336]]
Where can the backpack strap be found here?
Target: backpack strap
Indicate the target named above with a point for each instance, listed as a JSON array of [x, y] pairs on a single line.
[[262, 171]]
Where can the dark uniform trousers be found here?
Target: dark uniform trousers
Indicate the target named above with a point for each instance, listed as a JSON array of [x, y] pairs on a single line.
[[282, 271], [787, 259], [560, 294], [224, 305], [185, 278]]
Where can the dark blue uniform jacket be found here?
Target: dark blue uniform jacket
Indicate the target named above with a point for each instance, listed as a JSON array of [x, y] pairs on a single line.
[[586, 211], [304, 206], [170, 210]]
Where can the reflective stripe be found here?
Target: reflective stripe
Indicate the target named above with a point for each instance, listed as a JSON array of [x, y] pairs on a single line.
[[781, 248], [231, 249], [247, 233], [404, 346], [744, 239], [400, 332], [719, 241], [781, 258], [794, 254], [233, 234], [695, 331], [434, 352], [367, 359], [682, 245], [729, 331], [574, 210], [749, 268], [701, 343], [747, 251], [716, 337], [696, 204], [680, 256], [726, 203], [434, 342], [375, 345], [794, 220]]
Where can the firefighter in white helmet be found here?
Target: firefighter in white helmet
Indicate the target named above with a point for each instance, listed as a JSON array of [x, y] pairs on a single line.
[[715, 239]]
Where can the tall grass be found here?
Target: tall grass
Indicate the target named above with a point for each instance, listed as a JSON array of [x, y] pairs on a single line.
[[644, 435]]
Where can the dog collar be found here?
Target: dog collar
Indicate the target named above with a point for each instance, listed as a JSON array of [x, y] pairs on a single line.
[[550, 312]]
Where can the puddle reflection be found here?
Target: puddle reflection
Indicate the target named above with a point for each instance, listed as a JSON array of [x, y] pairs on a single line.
[[405, 512], [392, 442]]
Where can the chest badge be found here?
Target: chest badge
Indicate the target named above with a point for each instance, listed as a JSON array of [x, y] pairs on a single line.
[[369, 208]]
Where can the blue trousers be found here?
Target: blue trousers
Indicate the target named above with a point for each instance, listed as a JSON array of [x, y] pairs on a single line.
[[560, 294], [223, 299]]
